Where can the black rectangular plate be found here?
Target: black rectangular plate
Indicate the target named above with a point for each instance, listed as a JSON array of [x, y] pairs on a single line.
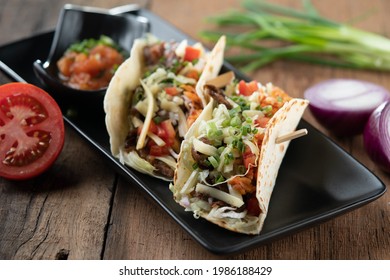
[[317, 180]]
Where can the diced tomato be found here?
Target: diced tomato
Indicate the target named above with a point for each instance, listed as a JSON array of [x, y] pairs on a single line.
[[193, 97], [65, 64], [248, 157], [158, 151], [193, 115], [247, 89], [242, 184], [261, 122], [172, 91], [89, 71], [252, 206], [259, 138], [91, 65], [169, 133], [164, 130], [191, 53], [193, 74]]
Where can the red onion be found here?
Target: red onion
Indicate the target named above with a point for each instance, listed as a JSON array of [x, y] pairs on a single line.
[[344, 105], [376, 136]]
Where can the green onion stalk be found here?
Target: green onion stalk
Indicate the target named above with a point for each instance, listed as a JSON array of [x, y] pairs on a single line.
[[299, 35]]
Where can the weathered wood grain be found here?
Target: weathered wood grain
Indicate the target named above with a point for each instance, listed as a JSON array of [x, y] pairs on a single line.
[[62, 213]]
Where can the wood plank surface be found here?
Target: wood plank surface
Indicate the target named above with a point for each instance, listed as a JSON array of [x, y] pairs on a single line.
[[80, 209]]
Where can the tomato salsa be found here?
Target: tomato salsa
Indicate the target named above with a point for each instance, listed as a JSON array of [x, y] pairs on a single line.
[[90, 64]]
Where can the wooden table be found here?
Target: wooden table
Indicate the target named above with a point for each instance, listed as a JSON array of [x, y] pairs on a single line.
[[80, 208]]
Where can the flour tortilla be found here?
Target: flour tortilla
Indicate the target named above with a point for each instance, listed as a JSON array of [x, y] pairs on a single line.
[[271, 155], [119, 94], [212, 68]]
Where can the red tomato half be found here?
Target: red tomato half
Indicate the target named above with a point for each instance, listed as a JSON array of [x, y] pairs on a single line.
[[31, 131]]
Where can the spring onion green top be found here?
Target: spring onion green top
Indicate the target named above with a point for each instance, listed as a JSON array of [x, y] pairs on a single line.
[[299, 35]]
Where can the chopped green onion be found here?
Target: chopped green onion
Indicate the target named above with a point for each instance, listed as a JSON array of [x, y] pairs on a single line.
[[239, 145], [298, 35], [242, 102], [214, 161], [158, 119], [137, 96], [246, 129], [212, 131], [86, 45], [219, 179], [228, 158], [249, 120], [266, 109], [225, 123], [220, 150], [234, 111], [235, 121], [195, 61]]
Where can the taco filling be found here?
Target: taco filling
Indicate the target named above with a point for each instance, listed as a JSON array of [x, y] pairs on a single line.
[[161, 106], [164, 105], [218, 170]]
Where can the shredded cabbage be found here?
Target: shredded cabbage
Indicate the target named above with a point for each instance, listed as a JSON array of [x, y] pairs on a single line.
[[190, 183], [156, 139], [136, 122], [204, 148], [181, 79], [234, 192], [156, 77], [170, 161], [220, 195], [181, 48], [135, 161], [226, 212], [148, 117]]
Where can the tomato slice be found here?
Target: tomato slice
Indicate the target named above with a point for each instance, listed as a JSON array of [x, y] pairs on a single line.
[[31, 131]]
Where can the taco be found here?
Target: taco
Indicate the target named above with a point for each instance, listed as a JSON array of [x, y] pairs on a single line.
[[229, 160], [152, 101]]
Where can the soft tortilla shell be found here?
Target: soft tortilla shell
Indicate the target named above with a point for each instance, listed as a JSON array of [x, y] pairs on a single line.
[[212, 68], [119, 94], [284, 121]]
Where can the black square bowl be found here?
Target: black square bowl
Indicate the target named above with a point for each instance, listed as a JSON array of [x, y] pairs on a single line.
[[75, 24]]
